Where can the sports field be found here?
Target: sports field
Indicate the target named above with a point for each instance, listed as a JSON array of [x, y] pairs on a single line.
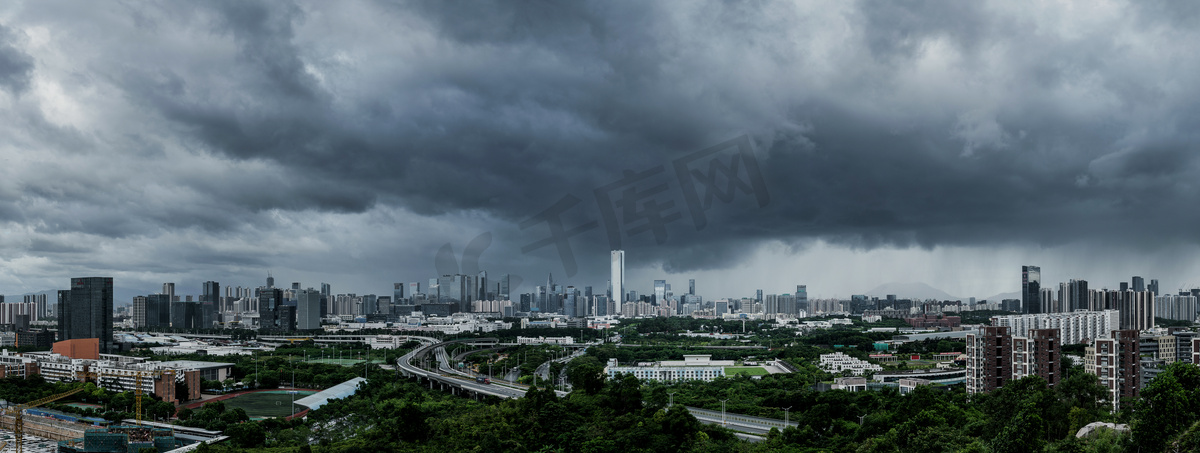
[[747, 370], [267, 404]]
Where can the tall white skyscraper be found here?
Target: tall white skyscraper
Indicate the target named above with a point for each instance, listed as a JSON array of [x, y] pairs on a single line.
[[618, 278]]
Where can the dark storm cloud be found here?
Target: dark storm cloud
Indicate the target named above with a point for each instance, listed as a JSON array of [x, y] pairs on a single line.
[[876, 124], [16, 67]]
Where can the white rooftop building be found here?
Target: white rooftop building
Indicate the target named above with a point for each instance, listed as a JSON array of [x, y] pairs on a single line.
[[692, 367], [838, 362]]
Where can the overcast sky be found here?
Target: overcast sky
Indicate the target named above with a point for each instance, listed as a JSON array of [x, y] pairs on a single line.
[[853, 143]]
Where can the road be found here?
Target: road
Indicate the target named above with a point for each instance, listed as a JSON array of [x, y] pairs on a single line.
[[744, 423], [447, 375]]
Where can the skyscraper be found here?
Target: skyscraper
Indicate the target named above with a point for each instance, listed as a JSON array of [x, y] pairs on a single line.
[[1139, 284], [801, 298], [1153, 287], [691, 287], [270, 280], [89, 311], [617, 258], [308, 309], [1031, 289], [504, 291], [660, 291], [210, 297], [397, 293], [1072, 296], [169, 290]]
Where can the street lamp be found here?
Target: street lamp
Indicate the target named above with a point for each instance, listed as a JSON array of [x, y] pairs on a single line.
[[723, 412], [785, 416]]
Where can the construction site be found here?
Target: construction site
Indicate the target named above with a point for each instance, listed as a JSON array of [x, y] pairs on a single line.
[[122, 439]]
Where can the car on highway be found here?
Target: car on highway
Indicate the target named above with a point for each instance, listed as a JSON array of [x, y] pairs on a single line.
[[482, 380]]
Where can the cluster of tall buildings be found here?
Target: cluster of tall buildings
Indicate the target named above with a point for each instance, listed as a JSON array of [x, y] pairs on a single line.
[[1137, 302]]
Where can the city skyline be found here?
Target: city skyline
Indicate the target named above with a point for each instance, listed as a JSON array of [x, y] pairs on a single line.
[[835, 145]]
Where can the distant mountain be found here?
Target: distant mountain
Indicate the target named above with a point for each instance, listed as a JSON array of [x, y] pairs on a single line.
[[1002, 296], [910, 290]]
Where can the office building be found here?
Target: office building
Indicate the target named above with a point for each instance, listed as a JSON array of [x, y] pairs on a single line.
[[617, 262], [308, 309], [397, 292], [802, 298], [504, 289], [88, 312], [269, 300], [169, 290], [1139, 284], [691, 287], [1031, 289], [660, 291], [158, 310]]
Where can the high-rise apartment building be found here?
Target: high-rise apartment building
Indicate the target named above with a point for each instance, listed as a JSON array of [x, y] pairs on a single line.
[[88, 312], [1181, 307], [1031, 289], [1073, 295], [617, 266], [1137, 310], [989, 359], [1039, 354], [995, 357], [1080, 327], [139, 312], [1115, 360]]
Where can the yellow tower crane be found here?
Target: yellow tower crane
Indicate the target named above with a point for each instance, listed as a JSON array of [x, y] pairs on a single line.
[[18, 414], [137, 392]]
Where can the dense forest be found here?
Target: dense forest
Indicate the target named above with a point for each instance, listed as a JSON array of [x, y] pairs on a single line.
[[624, 415]]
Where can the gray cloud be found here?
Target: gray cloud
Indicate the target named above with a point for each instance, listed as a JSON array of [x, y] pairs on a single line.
[[16, 67], [235, 136]]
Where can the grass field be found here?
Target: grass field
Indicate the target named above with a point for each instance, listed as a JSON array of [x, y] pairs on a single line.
[[267, 404], [747, 370]]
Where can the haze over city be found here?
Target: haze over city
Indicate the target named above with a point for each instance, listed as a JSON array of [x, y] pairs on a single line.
[[941, 143]]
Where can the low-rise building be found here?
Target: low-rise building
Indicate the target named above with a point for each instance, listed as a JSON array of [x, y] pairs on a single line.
[[853, 384], [692, 367], [907, 385], [838, 362]]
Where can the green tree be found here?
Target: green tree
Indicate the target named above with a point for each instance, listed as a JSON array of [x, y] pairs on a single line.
[[1169, 405], [587, 373]]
